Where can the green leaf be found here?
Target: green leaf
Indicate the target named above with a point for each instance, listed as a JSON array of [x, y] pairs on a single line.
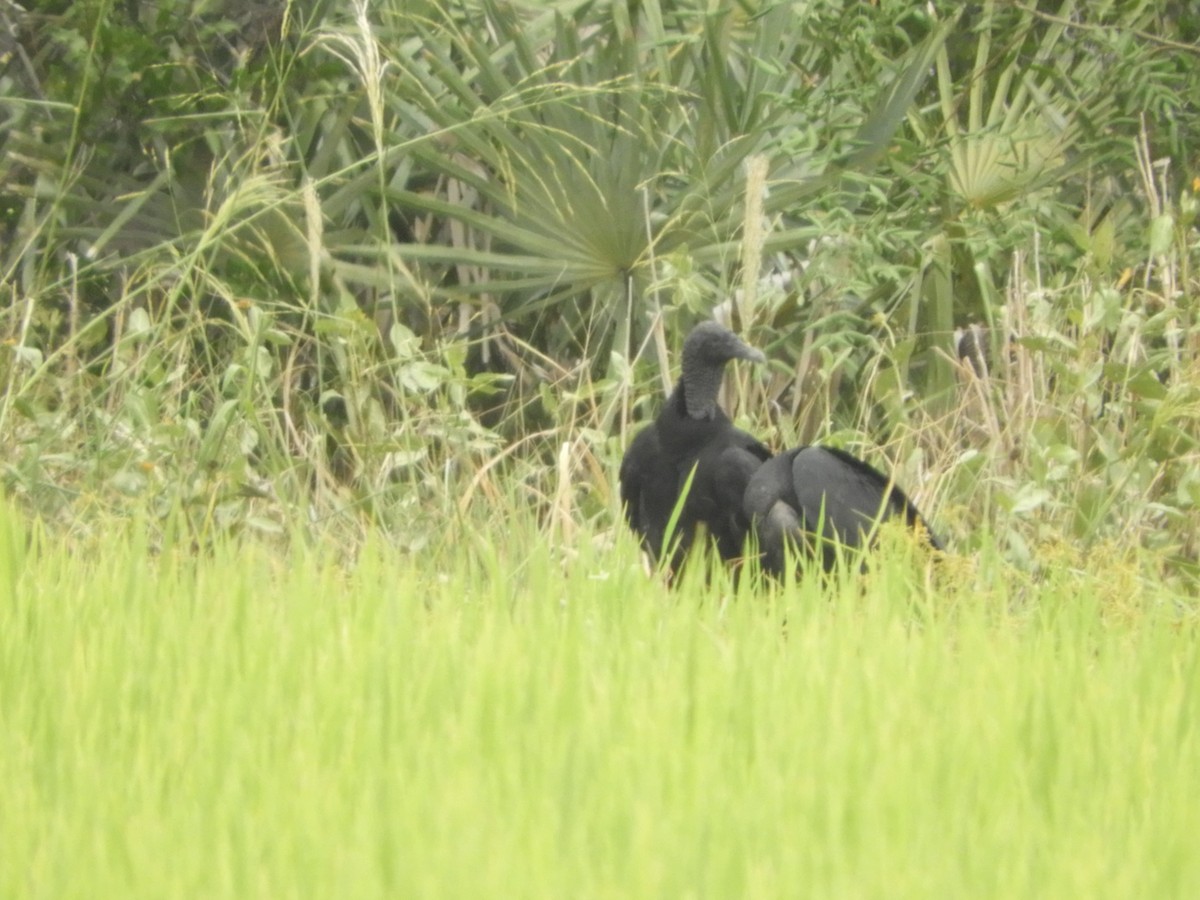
[[1162, 235]]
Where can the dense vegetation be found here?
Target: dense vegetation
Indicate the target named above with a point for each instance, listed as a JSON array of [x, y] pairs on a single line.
[[327, 268], [457, 723]]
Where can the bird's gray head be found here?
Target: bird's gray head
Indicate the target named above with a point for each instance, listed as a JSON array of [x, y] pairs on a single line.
[[705, 351]]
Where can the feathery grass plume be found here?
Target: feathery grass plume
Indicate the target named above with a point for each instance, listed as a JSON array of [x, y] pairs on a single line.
[[754, 231]]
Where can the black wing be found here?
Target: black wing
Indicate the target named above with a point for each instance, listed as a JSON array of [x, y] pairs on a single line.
[[850, 494], [727, 465], [824, 493], [771, 507], [648, 489]]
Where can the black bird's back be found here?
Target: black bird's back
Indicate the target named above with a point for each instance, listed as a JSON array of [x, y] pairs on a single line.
[[649, 485], [822, 493]]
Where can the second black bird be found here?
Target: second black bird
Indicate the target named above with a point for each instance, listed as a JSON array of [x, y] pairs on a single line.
[[818, 500]]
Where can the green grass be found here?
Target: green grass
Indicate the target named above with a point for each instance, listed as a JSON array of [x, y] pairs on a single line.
[[493, 721]]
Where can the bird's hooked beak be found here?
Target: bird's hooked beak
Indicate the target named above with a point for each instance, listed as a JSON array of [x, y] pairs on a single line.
[[752, 354], [739, 349]]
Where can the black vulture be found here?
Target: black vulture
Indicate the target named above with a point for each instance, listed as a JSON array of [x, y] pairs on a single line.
[[693, 433], [815, 498]]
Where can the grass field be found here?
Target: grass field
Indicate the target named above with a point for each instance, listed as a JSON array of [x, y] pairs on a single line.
[[494, 722], [324, 328]]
